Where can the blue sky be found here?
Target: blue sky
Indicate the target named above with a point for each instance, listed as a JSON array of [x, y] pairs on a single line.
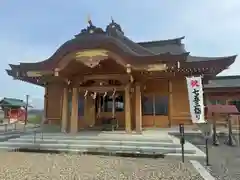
[[31, 31]]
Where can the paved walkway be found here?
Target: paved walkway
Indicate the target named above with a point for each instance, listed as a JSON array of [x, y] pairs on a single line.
[[224, 160]]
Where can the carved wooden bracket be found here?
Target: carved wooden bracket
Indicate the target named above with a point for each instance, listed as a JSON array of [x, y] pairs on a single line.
[[91, 58]]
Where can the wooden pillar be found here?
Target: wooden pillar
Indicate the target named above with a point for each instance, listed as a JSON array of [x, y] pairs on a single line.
[[113, 106], [86, 110], [99, 106], [127, 109], [89, 111], [45, 103], [64, 110], [138, 108], [170, 102], [74, 112]]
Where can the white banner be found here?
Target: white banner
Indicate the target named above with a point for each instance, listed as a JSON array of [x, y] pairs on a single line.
[[195, 98]]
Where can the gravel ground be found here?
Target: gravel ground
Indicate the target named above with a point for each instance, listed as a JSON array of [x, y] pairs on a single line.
[[31, 166], [224, 160]]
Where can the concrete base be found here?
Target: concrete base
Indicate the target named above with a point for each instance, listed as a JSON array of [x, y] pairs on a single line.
[[147, 143]]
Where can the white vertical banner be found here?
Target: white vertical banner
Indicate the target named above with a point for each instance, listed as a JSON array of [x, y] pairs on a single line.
[[195, 98]]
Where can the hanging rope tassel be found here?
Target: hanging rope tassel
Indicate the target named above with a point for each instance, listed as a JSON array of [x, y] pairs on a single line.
[[94, 95], [86, 93], [105, 94], [113, 94]]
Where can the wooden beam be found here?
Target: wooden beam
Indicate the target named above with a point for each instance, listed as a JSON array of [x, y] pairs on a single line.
[[120, 77], [102, 88], [66, 60], [143, 75]]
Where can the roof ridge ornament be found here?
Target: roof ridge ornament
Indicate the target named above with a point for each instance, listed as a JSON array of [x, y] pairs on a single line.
[[89, 21], [113, 28], [91, 29], [112, 20]]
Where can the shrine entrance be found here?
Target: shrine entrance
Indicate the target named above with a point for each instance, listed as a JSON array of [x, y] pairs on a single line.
[[99, 95], [109, 110], [102, 104]]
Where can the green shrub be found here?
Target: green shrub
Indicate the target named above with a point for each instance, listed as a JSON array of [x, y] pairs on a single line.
[[34, 119]]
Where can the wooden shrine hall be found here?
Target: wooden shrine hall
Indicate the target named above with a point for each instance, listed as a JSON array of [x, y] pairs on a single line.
[[101, 77]]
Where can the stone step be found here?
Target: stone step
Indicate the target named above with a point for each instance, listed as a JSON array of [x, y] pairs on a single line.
[[175, 155], [167, 154], [10, 132], [95, 148], [158, 144], [101, 137], [98, 141], [9, 136]]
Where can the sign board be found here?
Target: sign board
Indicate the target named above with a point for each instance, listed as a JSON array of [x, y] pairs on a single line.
[[195, 98], [181, 128], [206, 129]]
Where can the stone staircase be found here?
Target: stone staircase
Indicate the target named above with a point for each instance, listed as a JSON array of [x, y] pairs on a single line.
[[108, 142], [9, 135]]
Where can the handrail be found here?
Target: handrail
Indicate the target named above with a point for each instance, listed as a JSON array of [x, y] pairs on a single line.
[[9, 124], [14, 127]]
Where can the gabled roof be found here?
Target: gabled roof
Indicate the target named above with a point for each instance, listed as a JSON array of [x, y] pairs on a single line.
[[12, 102], [210, 65], [173, 46], [208, 59], [223, 82], [161, 42]]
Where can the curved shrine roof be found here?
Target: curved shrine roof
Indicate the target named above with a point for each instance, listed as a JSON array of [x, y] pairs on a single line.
[[113, 39]]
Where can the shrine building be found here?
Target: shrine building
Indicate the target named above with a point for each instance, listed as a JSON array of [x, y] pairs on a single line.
[[102, 77]]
